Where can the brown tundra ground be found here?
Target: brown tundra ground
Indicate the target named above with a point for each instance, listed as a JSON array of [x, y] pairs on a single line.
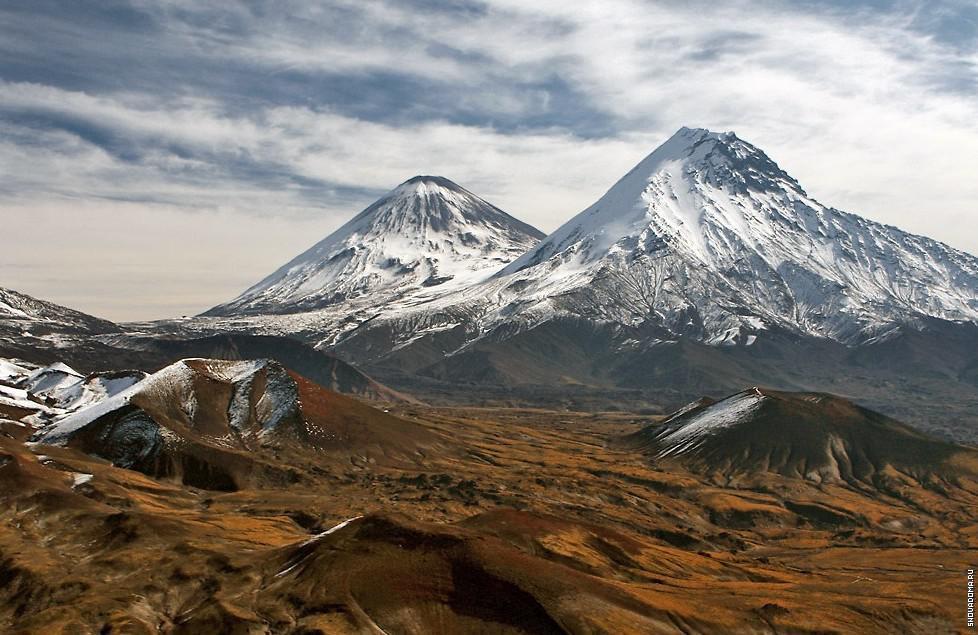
[[505, 521]]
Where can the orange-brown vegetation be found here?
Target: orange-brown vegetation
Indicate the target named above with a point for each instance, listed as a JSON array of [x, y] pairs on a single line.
[[472, 521]]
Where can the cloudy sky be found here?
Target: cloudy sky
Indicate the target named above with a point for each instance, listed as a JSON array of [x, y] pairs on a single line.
[[156, 158]]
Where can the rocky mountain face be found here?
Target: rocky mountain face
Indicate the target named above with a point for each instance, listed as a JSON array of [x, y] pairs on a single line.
[[708, 237]]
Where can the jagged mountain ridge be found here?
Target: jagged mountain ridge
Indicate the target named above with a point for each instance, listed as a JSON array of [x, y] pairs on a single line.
[[425, 238]]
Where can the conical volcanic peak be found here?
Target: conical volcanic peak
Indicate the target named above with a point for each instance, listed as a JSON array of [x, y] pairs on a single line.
[[426, 187], [708, 237], [427, 232], [662, 198]]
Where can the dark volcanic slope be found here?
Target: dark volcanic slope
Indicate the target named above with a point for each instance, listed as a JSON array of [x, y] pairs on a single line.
[[216, 424], [924, 377], [396, 575], [815, 436]]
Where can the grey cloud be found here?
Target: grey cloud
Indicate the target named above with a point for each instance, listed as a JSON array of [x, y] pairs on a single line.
[[305, 111]]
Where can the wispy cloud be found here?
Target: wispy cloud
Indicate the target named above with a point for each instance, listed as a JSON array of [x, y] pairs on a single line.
[[306, 111]]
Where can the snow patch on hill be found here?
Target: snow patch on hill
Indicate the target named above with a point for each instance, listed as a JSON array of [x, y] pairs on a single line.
[[263, 395], [709, 421]]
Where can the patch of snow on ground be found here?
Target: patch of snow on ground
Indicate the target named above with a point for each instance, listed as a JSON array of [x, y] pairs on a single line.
[[63, 428], [6, 308], [292, 565], [11, 372], [693, 405], [339, 526], [50, 380], [709, 421], [17, 398]]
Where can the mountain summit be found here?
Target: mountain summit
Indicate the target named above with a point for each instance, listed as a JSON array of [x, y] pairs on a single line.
[[648, 202], [709, 238], [705, 239], [426, 233]]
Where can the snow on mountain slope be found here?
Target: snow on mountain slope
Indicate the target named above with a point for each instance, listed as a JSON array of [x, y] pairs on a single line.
[[93, 389], [12, 372], [424, 239], [213, 423], [708, 238], [33, 398], [44, 395], [51, 380], [20, 314], [708, 421]]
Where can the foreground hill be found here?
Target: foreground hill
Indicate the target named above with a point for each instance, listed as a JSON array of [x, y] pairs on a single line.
[[814, 436], [215, 424], [524, 522]]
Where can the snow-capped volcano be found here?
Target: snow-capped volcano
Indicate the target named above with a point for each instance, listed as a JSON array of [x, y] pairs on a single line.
[[708, 237], [705, 239], [424, 238]]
